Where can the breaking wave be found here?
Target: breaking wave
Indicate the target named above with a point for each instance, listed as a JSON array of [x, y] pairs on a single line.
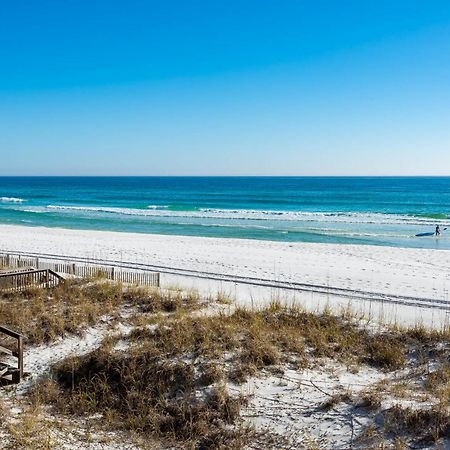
[[11, 200]]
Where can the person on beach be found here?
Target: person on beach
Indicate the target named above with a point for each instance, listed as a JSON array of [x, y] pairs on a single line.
[[438, 230]]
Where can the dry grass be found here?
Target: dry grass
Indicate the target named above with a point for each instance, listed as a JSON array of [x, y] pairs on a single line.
[[336, 399], [169, 385], [44, 315], [429, 425], [438, 382], [370, 400], [3, 412], [155, 300], [27, 431], [148, 397]]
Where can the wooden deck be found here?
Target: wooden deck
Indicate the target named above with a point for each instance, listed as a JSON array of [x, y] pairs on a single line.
[[20, 280]]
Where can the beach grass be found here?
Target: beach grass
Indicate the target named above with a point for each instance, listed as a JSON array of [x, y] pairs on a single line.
[[162, 385]]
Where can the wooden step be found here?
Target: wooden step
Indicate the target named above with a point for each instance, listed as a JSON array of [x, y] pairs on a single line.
[[7, 351], [7, 372]]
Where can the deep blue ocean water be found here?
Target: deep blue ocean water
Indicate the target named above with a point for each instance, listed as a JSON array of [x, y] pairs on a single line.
[[351, 210]]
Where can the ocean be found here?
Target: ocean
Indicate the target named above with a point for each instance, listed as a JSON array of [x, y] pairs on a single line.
[[345, 210]]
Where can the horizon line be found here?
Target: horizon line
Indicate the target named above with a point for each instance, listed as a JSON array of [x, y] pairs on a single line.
[[224, 176]]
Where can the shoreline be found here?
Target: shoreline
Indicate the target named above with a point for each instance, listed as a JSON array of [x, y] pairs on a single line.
[[392, 271], [381, 244]]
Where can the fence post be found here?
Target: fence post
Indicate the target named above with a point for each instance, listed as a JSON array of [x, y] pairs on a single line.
[[37, 262], [20, 357], [112, 274]]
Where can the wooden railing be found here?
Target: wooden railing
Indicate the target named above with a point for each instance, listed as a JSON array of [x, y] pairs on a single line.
[[144, 277], [8, 373], [11, 281]]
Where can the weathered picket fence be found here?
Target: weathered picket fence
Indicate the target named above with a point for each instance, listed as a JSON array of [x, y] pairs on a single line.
[[13, 261]]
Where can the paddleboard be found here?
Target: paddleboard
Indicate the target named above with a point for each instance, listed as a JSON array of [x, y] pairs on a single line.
[[430, 233]]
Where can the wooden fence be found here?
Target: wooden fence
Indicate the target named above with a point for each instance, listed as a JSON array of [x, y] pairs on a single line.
[[81, 270], [8, 373]]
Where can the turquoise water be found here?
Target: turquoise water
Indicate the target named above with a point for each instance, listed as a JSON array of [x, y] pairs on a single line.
[[353, 210]]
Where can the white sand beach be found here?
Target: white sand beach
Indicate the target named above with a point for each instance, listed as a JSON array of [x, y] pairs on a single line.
[[388, 270]]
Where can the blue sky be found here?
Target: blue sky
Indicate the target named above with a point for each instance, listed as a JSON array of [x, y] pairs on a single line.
[[225, 87]]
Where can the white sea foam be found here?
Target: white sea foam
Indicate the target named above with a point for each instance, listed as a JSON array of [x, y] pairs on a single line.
[[35, 211], [157, 206], [11, 200], [249, 214]]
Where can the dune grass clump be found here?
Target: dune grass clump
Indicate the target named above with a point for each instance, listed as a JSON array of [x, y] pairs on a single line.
[[335, 399], [429, 424], [148, 395], [210, 373], [370, 400], [156, 300], [293, 331], [438, 382], [386, 352]]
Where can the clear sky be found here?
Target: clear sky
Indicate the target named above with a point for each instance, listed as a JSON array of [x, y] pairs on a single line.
[[215, 87]]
